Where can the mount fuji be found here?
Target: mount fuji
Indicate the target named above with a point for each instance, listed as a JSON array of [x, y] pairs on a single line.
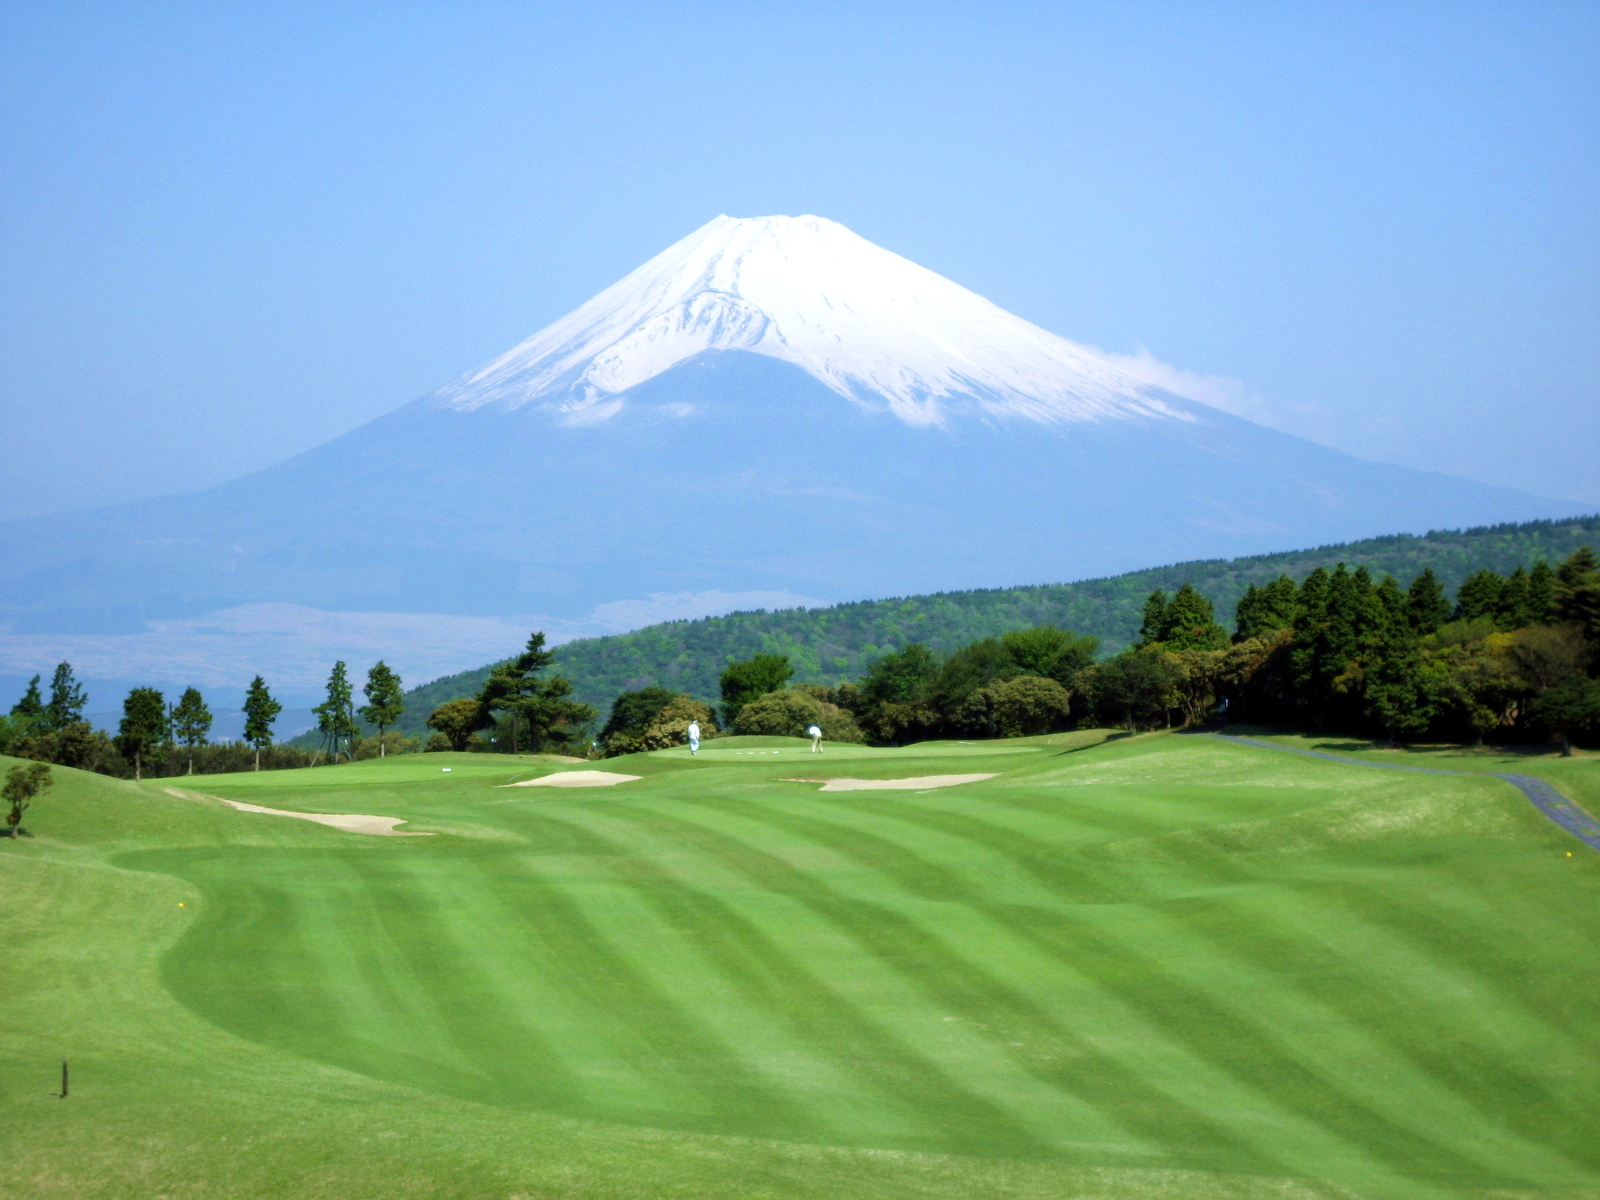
[[773, 410]]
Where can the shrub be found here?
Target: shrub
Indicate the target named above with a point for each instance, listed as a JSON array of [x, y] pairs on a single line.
[[671, 724], [788, 713], [1022, 706]]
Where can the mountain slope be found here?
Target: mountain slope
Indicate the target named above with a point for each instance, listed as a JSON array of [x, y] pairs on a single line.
[[830, 645], [772, 405]]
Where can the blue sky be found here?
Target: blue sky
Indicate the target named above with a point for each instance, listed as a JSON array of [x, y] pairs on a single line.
[[231, 232]]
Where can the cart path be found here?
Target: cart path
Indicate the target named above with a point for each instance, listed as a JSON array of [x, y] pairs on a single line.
[[1564, 812]]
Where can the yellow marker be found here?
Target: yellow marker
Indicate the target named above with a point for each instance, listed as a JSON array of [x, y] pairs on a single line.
[[180, 902], [1569, 853]]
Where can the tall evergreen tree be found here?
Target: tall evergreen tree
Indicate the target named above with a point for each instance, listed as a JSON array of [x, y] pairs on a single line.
[[1479, 596], [1190, 623], [1427, 607], [544, 706], [1577, 591], [1266, 609], [386, 701], [260, 711], [1154, 625], [191, 722], [28, 712], [144, 729], [67, 699], [336, 717], [1515, 610], [1541, 593]]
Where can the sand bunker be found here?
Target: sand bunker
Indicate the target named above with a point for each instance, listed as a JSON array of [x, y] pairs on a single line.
[[916, 783], [349, 822], [576, 779]]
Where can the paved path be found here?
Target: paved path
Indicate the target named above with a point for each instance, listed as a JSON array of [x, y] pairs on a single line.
[[1546, 799]]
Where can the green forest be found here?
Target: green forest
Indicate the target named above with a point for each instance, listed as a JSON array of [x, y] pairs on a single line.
[[829, 646]]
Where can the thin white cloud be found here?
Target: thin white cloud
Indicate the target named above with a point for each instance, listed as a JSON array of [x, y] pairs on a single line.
[[1219, 391]]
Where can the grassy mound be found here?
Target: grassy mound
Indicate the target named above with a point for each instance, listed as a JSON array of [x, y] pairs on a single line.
[[1145, 967]]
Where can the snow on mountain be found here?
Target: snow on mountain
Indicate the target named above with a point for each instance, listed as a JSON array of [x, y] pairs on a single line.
[[875, 327]]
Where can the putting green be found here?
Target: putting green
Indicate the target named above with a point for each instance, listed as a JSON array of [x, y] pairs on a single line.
[[1160, 966]]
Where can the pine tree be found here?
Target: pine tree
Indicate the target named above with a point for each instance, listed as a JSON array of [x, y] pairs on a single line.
[[144, 728], [66, 699], [1266, 609], [1541, 593], [385, 700], [1577, 591], [1155, 618], [1427, 607], [191, 722], [260, 711], [336, 715], [1479, 596], [29, 711], [542, 704], [1514, 610], [1190, 623]]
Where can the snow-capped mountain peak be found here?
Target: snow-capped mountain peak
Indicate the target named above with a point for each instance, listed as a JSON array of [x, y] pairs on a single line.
[[875, 327]]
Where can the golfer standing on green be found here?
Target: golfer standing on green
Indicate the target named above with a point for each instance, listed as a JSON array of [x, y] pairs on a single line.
[[815, 734], [694, 737]]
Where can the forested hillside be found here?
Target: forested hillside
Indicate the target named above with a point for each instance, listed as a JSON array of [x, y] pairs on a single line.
[[830, 645]]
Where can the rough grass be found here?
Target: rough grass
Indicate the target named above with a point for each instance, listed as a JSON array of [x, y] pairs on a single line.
[[1161, 966]]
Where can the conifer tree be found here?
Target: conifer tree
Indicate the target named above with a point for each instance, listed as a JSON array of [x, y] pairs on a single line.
[[191, 722], [542, 704], [1541, 593], [1155, 618], [1427, 607], [336, 715], [1265, 609], [1189, 623], [1577, 591], [1514, 610], [1479, 596], [385, 700], [260, 711], [66, 699], [144, 729], [29, 711]]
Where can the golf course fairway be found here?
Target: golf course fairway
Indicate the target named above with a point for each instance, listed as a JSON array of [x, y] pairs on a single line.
[[1119, 967]]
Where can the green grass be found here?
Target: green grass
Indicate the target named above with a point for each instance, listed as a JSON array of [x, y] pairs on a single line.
[[1162, 966]]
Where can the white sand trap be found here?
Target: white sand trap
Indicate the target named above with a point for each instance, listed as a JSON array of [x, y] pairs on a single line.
[[916, 783], [349, 822], [577, 779]]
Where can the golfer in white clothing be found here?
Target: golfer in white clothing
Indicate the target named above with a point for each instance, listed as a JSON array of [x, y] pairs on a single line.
[[815, 735], [694, 737]]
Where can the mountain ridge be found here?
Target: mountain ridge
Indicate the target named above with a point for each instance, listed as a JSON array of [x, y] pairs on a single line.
[[848, 432], [829, 645]]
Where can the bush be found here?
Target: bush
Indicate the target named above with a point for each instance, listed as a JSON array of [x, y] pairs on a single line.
[[670, 726], [779, 714], [1022, 706], [788, 714], [392, 742]]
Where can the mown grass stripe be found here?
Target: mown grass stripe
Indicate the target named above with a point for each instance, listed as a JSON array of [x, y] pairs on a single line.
[[962, 987], [834, 1026], [1242, 1051], [1313, 1093]]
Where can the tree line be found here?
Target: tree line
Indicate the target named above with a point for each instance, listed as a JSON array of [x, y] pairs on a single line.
[[1512, 657], [159, 738]]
